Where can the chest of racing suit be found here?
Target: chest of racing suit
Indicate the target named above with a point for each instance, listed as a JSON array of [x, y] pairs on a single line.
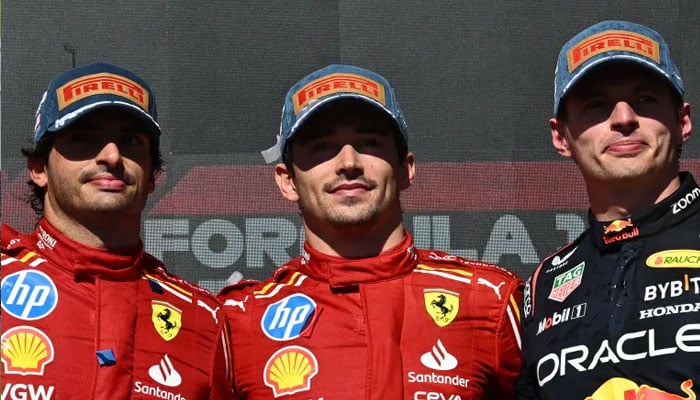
[[408, 324], [616, 314], [84, 323]]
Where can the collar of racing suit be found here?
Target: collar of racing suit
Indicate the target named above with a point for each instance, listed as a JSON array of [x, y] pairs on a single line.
[[341, 272], [682, 203], [87, 262]]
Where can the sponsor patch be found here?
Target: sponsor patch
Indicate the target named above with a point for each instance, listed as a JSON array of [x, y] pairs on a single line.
[[560, 262], [438, 358], [566, 283], [527, 298], [28, 294], [679, 258], [442, 305], [335, 83], [685, 201], [567, 314], [26, 351], [286, 319], [167, 319], [613, 40], [623, 388], [102, 83], [24, 391], [165, 373], [289, 370]]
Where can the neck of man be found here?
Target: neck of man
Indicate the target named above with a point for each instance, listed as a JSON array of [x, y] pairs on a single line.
[[626, 198], [354, 241], [119, 235]]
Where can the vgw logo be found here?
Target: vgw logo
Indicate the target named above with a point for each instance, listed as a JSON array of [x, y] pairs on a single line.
[[287, 318], [28, 295]]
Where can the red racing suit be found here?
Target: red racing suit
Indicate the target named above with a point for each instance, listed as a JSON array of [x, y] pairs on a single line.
[[84, 323], [407, 324]]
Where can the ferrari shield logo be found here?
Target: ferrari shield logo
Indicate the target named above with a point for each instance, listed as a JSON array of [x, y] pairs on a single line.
[[167, 319], [442, 305]]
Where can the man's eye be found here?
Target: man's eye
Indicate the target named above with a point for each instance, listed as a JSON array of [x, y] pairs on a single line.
[[369, 143], [320, 146], [594, 105], [132, 140], [647, 100]]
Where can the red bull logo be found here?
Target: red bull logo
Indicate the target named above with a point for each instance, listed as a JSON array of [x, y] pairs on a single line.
[[618, 225], [613, 231], [625, 389]]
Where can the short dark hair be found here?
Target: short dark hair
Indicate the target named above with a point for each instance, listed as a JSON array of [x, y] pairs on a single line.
[[38, 152]]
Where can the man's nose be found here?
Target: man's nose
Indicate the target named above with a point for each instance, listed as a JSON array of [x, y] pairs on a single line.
[[623, 118]]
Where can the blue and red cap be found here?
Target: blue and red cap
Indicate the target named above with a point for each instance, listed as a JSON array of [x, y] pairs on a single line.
[[81, 90], [329, 84], [609, 41]]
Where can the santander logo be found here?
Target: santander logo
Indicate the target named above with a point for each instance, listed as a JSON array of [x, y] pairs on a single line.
[[164, 373], [438, 358]]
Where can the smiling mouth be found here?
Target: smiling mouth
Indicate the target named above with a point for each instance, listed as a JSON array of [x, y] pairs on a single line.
[[625, 147]]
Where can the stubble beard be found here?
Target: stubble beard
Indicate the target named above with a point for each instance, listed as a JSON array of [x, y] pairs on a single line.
[[348, 213]]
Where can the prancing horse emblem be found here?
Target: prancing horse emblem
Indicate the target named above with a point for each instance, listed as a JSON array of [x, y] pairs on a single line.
[[442, 305], [167, 319]]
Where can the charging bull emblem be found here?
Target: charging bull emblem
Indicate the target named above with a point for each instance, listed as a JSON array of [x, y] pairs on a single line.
[[442, 305], [167, 319], [625, 389]]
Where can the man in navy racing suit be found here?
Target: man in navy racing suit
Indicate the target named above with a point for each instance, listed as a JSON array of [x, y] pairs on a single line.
[[616, 313]]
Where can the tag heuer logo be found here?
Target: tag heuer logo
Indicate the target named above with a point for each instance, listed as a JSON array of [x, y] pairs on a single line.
[[166, 318], [442, 305], [565, 283]]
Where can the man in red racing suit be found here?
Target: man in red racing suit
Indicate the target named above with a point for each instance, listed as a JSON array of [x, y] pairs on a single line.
[[362, 313], [84, 323], [86, 314]]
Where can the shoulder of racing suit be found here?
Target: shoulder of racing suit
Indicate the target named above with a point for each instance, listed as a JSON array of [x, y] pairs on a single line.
[[554, 260]]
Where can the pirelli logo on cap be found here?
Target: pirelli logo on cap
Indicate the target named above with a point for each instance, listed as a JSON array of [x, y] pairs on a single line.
[[102, 83], [612, 41], [334, 83]]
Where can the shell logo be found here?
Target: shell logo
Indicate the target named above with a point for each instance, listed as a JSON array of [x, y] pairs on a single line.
[[26, 351], [290, 370]]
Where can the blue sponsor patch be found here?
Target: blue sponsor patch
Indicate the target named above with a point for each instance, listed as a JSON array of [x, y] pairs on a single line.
[[287, 318], [28, 295]]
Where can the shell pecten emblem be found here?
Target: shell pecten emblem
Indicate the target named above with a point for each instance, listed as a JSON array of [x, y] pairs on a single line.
[[26, 351], [290, 369]]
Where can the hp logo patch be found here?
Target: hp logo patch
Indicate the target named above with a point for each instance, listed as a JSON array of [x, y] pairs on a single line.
[[287, 318], [28, 295]]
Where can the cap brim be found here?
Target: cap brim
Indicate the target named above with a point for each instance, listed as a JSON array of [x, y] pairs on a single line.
[[75, 115], [613, 59], [333, 99]]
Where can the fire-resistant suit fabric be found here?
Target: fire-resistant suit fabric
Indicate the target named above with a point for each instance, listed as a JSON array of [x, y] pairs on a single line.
[[85, 323], [615, 314], [407, 324]]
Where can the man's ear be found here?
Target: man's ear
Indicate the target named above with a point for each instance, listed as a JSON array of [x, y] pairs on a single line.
[[285, 182], [407, 172], [686, 124], [37, 172], [559, 140]]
